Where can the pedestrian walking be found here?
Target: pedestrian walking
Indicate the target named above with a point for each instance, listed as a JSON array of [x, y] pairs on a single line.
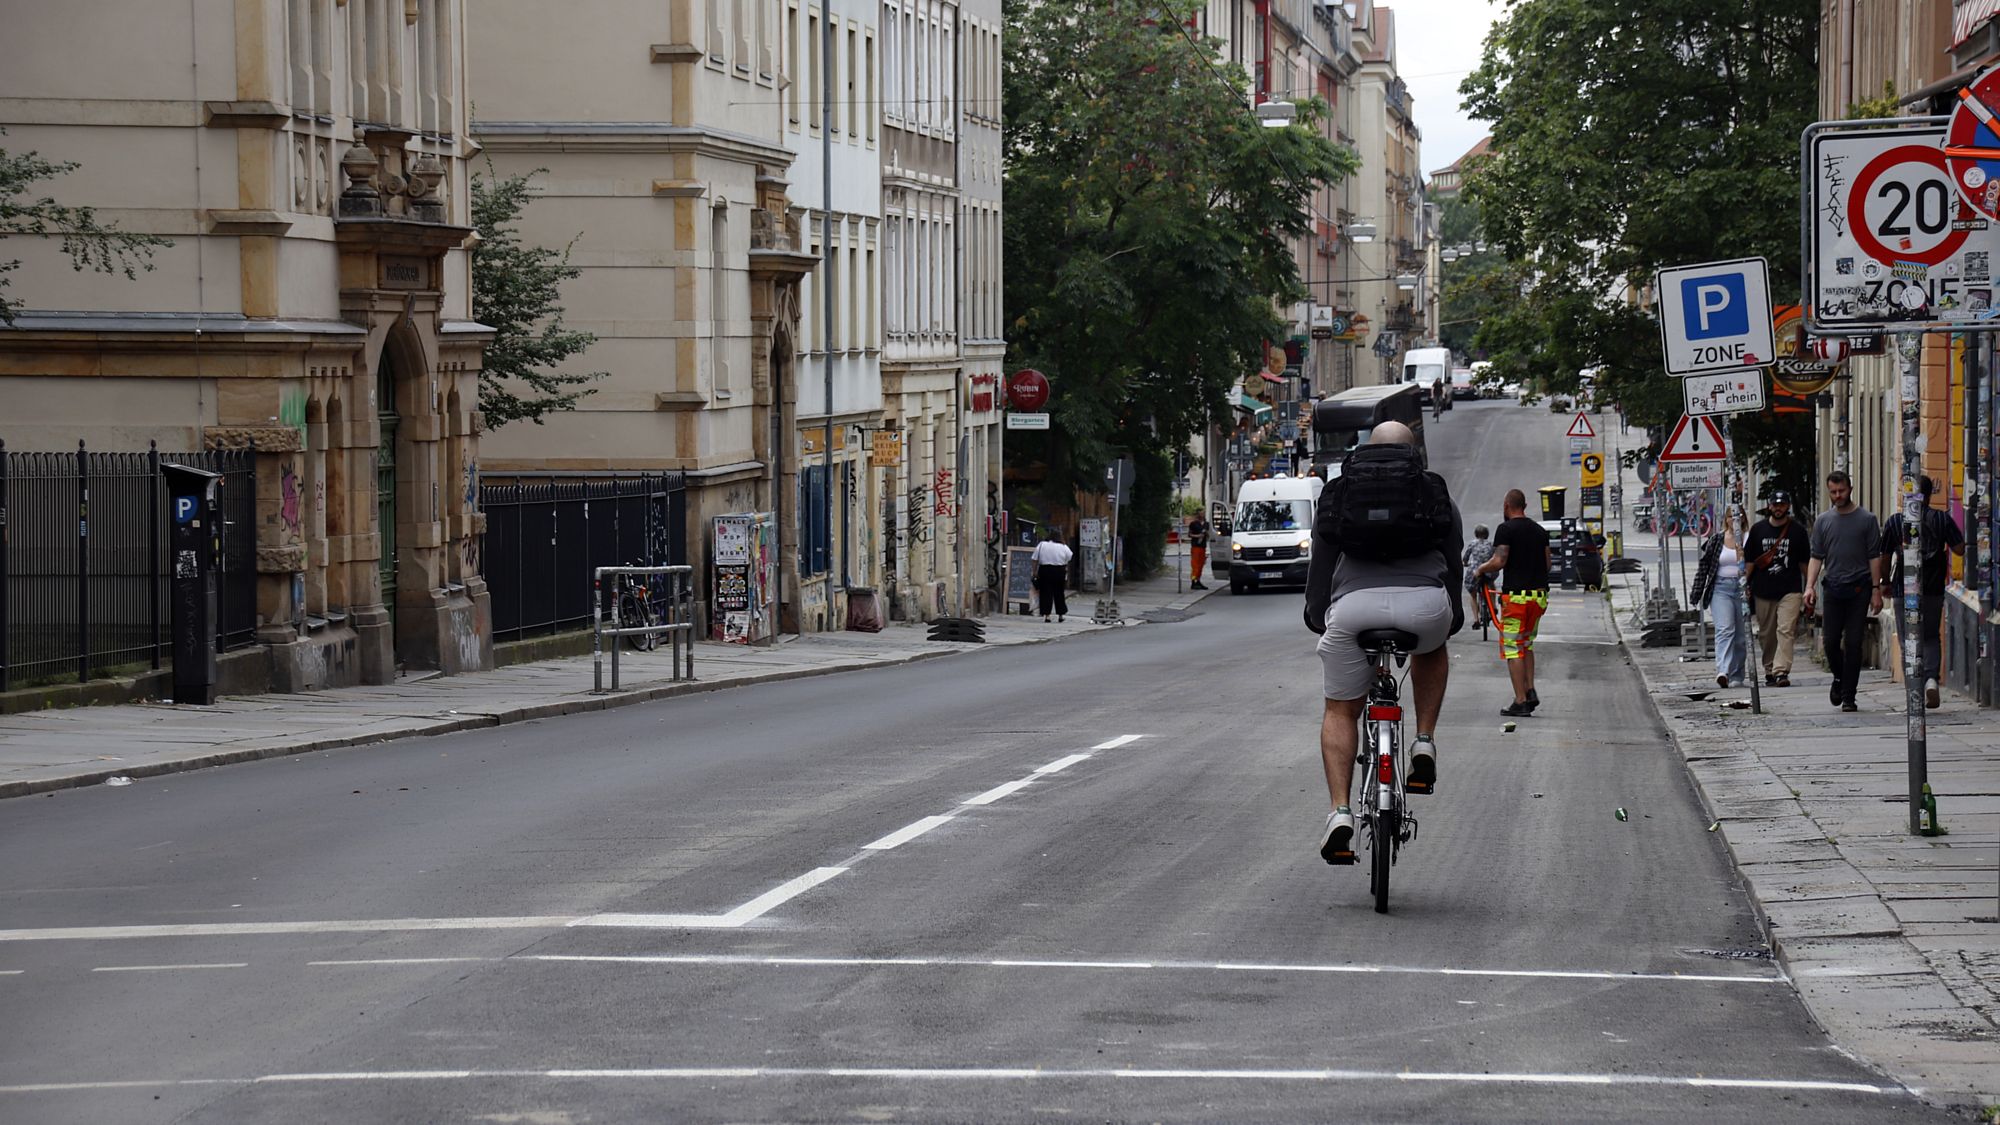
[[1777, 548], [1522, 558], [1718, 588], [1476, 584], [1197, 536], [1845, 576], [1051, 558], [1936, 536]]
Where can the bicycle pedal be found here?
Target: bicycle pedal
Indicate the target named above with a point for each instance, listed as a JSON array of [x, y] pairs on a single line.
[[1342, 859]]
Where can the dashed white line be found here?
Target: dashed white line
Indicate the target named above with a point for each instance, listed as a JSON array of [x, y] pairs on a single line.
[[995, 1074], [905, 834], [999, 791], [1121, 740], [165, 968], [11, 972], [1061, 764]]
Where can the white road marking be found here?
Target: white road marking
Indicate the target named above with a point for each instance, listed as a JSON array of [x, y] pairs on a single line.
[[1121, 740], [11, 972], [999, 791], [781, 894], [404, 961], [164, 968], [240, 929], [1061, 764], [905, 834], [991, 1074], [1163, 966]]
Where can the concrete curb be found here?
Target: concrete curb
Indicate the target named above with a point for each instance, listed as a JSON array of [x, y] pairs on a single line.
[[423, 729], [1839, 944]]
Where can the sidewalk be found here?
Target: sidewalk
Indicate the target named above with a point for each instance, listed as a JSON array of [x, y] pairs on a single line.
[[1891, 939], [46, 750]]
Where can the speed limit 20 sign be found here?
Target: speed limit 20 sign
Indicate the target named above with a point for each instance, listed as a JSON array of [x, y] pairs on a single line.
[[1891, 242]]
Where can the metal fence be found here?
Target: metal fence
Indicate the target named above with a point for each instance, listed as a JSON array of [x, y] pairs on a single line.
[[546, 536], [84, 567]]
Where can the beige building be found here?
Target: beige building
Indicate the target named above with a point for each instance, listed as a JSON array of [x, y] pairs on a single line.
[[1388, 192], [667, 175], [307, 158]]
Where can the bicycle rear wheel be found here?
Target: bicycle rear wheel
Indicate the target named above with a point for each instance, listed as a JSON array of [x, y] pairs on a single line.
[[1381, 856], [632, 613]]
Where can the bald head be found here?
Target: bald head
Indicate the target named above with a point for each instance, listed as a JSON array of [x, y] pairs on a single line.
[[1392, 433]]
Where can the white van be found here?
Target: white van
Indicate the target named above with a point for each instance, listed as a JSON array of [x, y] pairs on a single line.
[[1427, 368], [1270, 542]]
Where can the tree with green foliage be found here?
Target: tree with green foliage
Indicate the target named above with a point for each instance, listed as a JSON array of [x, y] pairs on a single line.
[[1147, 239], [517, 291], [1631, 135], [90, 244]]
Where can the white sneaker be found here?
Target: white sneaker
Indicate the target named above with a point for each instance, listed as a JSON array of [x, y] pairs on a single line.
[[1337, 845], [1930, 694]]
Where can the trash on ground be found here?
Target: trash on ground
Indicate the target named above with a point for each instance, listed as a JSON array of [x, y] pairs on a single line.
[[1507, 728], [1714, 826], [1620, 814], [1536, 796], [121, 779]]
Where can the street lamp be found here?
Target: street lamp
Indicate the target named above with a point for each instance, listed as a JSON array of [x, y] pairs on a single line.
[[1448, 254], [1406, 281], [1276, 115], [1361, 230]]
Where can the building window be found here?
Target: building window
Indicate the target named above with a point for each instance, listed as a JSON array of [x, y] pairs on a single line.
[[812, 70], [718, 297], [815, 538], [853, 83], [793, 72]]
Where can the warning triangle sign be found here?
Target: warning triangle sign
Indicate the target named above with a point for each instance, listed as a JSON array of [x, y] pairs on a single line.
[[1695, 439], [1579, 426]]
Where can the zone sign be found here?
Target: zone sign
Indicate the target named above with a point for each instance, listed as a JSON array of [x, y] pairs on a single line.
[[1715, 316]]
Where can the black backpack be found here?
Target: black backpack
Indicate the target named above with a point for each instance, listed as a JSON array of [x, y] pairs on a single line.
[[1387, 507]]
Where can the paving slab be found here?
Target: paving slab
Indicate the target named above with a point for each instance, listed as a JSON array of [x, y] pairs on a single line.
[[1893, 941]]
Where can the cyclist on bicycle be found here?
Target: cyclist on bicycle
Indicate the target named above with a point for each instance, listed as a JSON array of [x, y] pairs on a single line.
[[1386, 553], [1476, 554]]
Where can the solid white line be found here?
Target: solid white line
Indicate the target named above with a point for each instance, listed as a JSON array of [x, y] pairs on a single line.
[[905, 834], [1121, 740], [163, 968], [11, 972], [986, 1074], [726, 959], [1061, 764], [656, 921], [235, 929], [999, 791], [405, 961]]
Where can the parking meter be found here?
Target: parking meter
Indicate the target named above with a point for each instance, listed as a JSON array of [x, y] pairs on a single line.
[[195, 547]]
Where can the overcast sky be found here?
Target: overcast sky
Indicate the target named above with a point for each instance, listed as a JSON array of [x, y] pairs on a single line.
[[1437, 45]]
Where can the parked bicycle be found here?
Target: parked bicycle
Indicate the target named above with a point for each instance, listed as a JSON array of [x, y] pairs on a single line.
[[1382, 761], [636, 610]]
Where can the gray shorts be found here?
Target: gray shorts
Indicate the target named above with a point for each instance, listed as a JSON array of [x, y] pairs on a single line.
[[1423, 610]]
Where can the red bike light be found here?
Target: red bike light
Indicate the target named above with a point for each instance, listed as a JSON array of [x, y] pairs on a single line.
[[1384, 713], [1385, 769]]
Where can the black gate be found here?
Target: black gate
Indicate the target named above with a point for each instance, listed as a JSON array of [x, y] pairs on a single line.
[[545, 536], [84, 567]]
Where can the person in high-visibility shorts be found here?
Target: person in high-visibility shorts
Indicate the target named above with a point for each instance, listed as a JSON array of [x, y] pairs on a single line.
[[1522, 558]]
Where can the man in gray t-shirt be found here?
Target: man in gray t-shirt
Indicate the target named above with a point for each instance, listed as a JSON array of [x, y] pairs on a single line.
[[1847, 555]]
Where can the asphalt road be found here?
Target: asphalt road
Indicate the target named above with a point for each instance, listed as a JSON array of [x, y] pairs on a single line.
[[1074, 881]]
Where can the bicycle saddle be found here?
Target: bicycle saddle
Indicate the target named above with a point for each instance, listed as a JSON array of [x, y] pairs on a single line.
[[1379, 640]]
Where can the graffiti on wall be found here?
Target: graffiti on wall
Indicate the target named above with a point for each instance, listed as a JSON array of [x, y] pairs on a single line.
[[290, 499]]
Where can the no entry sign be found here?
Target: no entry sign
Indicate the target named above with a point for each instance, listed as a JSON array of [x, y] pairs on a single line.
[[1891, 242]]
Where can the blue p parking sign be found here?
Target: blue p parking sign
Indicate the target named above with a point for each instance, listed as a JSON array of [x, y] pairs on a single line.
[[186, 508], [1714, 306]]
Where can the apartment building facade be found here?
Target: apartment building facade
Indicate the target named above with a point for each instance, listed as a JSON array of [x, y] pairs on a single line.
[[308, 160]]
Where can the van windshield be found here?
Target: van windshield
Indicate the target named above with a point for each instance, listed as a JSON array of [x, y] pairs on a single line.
[[1423, 372], [1274, 515]]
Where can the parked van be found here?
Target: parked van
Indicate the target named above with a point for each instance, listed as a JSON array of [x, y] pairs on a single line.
[[1430, 370], [1270, 540]]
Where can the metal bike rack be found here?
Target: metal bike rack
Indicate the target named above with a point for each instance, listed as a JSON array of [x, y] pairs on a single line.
[[678, 622]]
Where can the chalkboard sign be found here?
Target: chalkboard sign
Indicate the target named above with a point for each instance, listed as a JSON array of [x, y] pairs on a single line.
[[1020, 574]]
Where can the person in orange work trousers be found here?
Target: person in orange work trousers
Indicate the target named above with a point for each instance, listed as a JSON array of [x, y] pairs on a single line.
[[1197, 535]]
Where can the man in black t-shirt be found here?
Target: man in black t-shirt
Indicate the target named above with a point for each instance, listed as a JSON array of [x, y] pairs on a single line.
[[1937, 537], [1522, 558], [1777, 548]]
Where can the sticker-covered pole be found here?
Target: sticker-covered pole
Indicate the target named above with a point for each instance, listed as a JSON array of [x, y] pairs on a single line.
[[1909, 351], [1746, 616]]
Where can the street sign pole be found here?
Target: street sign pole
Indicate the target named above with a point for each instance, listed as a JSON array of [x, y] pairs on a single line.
[[1909, 350]]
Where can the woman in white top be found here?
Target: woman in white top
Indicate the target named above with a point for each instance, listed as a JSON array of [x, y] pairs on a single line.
[[1726, 605]]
